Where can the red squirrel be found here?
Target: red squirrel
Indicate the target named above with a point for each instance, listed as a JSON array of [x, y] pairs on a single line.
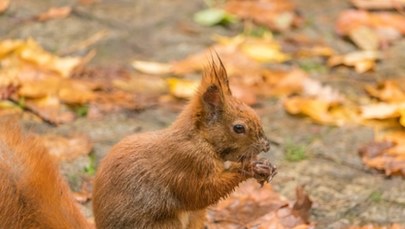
[[167, 178], [163, 179]]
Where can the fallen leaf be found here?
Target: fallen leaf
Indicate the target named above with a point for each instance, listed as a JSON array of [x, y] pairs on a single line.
[[316, 89], [275, 14], [302, 205], [153, 68], [387, 26], [280, 83], [352, 19], [379, 5], [388, 91], [4, 4], [252, 206], [67, 148], [54, 13], [181, 88], [263, 50], [382, 110], [67, 91], [362, 61], [321, 111], [387, 153]]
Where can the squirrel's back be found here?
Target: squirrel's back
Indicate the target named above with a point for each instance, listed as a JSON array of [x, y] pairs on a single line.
[[32, 192]]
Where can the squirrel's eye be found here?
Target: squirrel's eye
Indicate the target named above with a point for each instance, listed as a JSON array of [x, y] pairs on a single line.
[[239, 129]]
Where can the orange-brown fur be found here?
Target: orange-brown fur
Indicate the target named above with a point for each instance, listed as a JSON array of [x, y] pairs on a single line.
[[166, 179], [32, 192]]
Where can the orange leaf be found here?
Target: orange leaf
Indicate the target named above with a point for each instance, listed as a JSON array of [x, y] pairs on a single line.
[[4, 5]]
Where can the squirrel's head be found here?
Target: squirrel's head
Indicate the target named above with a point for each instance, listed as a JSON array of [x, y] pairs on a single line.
[[230, 126]]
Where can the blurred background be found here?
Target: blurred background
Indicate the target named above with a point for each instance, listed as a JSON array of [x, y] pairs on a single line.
[[327, 78]]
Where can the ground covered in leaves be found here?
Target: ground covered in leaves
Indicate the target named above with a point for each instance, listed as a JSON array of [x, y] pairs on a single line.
[[327, 78]]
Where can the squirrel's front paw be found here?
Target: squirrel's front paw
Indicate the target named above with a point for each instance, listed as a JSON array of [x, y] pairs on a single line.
[[263, 171]]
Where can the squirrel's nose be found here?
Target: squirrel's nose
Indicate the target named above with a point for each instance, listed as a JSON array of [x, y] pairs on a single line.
[[265, 142]]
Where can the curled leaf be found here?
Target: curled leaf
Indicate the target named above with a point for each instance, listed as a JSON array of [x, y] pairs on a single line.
[[181, 88]]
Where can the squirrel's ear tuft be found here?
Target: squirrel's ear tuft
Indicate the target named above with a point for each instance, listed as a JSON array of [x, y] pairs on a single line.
[[215, 74], [214, 88]]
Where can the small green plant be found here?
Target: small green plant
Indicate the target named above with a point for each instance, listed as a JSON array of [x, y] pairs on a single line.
[[257, 31], [214, 16], [376, 196], [21, 102], [90, 169], [295, 152], [81, 111], [312, 66]]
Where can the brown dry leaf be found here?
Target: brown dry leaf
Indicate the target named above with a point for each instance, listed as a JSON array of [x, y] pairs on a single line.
[[275, 14], [388, 91], [387, 26], [378, 4], [4, 4], [55, 13], [252, 206], [65, 149], [116, 100], [362, 61], [387, 153]]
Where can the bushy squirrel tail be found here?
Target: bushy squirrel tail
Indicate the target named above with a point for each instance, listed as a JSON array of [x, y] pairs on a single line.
[[33, 194]]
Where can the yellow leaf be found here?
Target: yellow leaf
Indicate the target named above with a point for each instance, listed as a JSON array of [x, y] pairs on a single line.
[[32, 52], [264, 51], [72, 92], [40, 88], [181, 88], [8, 46], [315, 109], [388, 91], [321, 111]]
